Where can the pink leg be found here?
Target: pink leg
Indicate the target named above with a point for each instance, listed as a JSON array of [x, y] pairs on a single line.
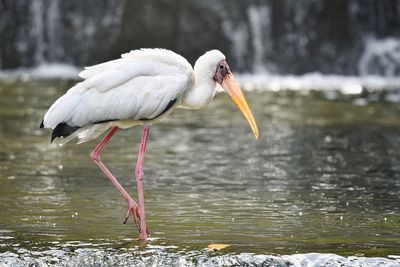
[[139, 177], [95, 155]]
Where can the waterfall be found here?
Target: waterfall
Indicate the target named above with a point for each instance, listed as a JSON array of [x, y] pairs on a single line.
[[380, 57], [56, 50], [273, 36], [55, 31], [259, 21], [37, 30]]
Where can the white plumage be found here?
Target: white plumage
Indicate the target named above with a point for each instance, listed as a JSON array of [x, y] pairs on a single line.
[[142, 87], [125, 92]]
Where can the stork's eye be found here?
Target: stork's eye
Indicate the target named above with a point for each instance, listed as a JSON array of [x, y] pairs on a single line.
[[221, 66]]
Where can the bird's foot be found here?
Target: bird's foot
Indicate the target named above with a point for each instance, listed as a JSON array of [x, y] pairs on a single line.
[[134, 210]]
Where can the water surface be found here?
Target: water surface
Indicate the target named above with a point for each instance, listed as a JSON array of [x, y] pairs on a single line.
[[323, 177]]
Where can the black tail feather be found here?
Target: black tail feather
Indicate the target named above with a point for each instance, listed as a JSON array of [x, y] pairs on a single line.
[[63, 130], [41, 124]]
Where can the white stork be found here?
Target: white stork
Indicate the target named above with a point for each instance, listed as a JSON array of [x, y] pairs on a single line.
[[140, 88]]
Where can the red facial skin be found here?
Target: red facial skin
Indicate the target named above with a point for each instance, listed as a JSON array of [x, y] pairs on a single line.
[[221, 71]]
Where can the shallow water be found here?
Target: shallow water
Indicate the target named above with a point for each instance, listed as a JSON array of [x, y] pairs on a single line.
[[323, 177]]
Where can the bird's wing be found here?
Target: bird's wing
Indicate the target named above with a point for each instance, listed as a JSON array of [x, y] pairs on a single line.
[[140, 85]]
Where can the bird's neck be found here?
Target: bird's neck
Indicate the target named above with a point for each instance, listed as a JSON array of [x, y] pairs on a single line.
[[202, 92]]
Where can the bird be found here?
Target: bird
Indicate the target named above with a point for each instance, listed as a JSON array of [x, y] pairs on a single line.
[[142, 87]]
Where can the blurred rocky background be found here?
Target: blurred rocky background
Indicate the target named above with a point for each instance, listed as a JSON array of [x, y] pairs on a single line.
[[348, 37]]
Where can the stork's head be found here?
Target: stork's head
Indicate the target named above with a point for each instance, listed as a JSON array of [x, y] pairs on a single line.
[[214, 62]]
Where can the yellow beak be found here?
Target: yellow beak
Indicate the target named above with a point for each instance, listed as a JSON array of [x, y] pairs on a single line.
[[231, 86]]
